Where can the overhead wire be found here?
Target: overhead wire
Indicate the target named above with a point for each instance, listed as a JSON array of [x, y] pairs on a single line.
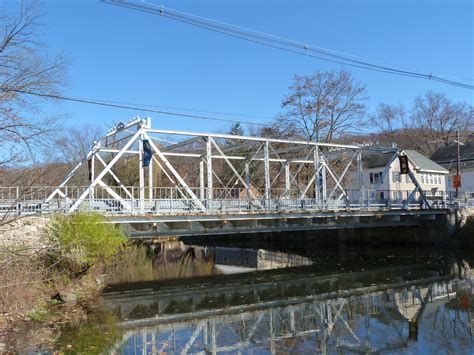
[[128, 107], [185, 109], [282, 43], [123, 105]]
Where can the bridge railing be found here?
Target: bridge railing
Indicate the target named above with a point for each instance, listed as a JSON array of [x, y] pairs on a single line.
[[176, 200]]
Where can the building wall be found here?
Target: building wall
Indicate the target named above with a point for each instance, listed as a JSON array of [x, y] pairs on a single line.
[[467, 182], [400, 182]]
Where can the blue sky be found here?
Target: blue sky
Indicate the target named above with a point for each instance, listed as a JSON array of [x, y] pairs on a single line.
[[124, 55]]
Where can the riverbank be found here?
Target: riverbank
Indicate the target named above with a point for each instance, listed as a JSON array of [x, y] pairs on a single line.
[[51, 274], [464, 228], [39, 324]]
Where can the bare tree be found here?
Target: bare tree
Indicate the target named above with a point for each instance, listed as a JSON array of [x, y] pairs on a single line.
[[74, 144], [432, 122], [24, 67], [323, 105], [435, 119], [389, 120]]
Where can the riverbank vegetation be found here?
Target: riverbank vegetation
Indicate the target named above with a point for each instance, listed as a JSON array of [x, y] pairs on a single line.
[[55, 282], [465, 235]]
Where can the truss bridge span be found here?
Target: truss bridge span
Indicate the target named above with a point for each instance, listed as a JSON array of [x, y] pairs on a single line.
[[168, 182]]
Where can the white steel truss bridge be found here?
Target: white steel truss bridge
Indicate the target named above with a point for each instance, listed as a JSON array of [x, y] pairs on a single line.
[[281, 316], [139, 170]]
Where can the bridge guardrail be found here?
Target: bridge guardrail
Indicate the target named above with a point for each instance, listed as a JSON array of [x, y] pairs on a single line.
[[174, 200]]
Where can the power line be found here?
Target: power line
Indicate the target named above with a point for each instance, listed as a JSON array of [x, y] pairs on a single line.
[[185, 109], [128, 107], [282, 43]]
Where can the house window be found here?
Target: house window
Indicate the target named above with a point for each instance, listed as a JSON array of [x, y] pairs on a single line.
[[431, 179], [376, 178], [407, 178], [438, 179], [396, 176]]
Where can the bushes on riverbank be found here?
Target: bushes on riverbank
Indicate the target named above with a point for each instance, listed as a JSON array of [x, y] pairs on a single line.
[[72, 253], [82, 240]]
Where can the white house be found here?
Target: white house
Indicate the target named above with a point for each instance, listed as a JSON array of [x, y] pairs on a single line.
[[430, 175], [447, 157]]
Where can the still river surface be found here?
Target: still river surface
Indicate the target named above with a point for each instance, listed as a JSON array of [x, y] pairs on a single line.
[[262, 297]]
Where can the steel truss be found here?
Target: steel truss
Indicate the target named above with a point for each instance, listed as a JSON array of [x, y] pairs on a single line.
[[374, 322], [231, 173]]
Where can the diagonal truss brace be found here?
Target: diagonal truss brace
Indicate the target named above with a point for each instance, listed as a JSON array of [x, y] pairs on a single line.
[[338, 182], [175, 174], [105, 171], [415, 190], [115, 195], [334, 177], [122, 186], [70, 175], [219, 150]]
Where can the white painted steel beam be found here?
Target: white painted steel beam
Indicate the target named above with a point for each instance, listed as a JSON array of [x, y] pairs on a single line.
[[339, 180], [210, 173], [261, 139], [287, 180], [202, 181], [71, 174], [176, 175], [141, 176], [150, 181], [267, 173], [111, 150], [105, 171], [115, 195], [235, 171], [122, 186]]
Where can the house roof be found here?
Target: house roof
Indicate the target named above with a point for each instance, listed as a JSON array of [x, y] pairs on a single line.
[[418, 160], [450, 152], [423, 163], [447, 156], [376, 160]]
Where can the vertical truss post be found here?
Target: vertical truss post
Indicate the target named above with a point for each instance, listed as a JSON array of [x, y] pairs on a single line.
[[247, 179], [292, 320], [213, 337], [141, 174], [267, 174], [272, 331], [324, 182], [150, 181], [317, 183], [92, 193], [324, 330], [360, 178], [209, 173], [287, 179], [202, 182]]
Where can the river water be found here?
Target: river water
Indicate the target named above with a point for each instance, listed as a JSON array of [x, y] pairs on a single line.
[[282, 296]]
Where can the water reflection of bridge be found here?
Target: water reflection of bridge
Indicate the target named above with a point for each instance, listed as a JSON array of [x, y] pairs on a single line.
[[361, 312]]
